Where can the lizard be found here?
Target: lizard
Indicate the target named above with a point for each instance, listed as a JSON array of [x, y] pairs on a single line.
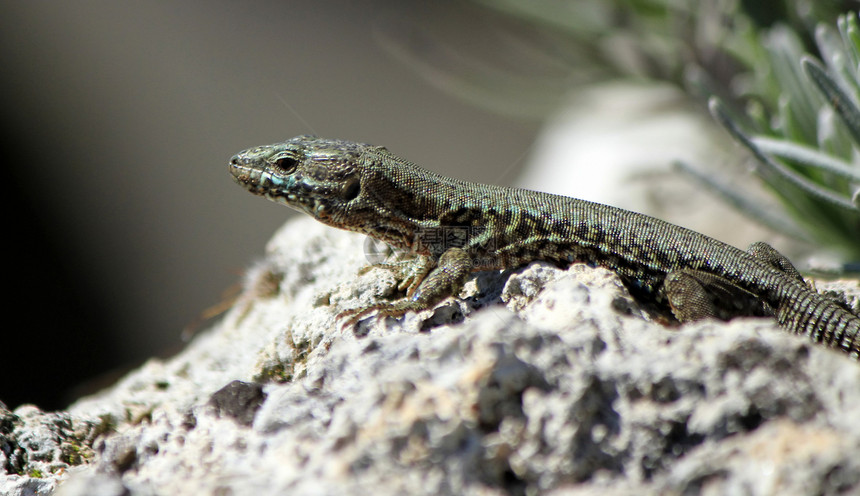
[[447, 228]]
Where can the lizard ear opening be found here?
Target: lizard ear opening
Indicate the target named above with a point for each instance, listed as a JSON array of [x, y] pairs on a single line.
[[351, 189]]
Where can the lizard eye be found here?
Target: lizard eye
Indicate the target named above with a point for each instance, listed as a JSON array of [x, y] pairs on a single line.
[[286, 164]]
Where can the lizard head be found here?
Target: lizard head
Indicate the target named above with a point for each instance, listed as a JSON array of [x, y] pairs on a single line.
[[317, 176]]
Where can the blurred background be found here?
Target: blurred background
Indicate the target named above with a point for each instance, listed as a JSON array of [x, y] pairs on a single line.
[[120, 117]]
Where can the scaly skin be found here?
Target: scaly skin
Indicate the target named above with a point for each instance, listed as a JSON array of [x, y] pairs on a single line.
[[450, 228]]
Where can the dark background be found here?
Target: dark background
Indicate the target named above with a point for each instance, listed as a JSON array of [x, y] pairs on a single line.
[[118, 121]]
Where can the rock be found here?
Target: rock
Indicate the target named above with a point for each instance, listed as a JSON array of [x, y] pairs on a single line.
[[36, 447], [239, 400], [537, 381]]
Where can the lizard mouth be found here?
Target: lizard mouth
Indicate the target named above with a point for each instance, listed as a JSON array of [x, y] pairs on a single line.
[[258, 182], [246, 176], [264, 184]]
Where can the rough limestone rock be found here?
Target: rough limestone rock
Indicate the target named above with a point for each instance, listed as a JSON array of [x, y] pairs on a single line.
[[536, 381]]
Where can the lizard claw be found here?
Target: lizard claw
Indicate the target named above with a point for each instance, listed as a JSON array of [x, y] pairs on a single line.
[[387, 309], [352, 316]]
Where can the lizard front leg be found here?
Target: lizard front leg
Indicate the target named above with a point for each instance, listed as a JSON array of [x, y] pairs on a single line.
[[446, 278], [409, 272]]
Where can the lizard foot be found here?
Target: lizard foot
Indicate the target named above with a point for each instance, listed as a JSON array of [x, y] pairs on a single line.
[[386, 309]]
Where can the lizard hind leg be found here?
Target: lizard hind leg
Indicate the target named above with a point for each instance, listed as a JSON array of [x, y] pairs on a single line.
[[768, 254], [695, 295]]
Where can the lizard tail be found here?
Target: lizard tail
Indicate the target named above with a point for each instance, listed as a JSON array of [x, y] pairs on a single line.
[[823, 321]]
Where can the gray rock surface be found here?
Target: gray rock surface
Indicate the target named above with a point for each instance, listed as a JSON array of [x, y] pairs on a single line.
[[542, 381]]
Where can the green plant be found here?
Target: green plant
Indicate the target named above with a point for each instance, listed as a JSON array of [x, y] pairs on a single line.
[[749, 59], [806, 140]]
